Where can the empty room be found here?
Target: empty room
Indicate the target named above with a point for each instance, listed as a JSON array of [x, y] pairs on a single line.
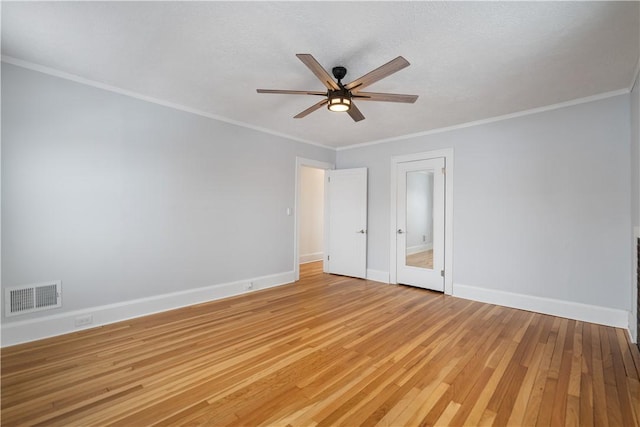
[[303, 213]]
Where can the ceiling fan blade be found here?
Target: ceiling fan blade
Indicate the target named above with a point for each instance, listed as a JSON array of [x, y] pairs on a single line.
[[386, 97], [317, 69], [311, 109], [355, 114], [379, 73], [292, 92]]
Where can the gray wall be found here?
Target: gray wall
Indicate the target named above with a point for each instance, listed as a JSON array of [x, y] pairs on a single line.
[[635, 156], [541, 202], [635, 198], [123, 199]]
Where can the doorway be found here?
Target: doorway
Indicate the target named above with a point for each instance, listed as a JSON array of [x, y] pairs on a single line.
[[421, 220], [310, 229], [311, 215]]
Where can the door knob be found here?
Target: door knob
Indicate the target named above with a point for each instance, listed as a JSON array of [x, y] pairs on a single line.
[[400, 231], [361, 231]]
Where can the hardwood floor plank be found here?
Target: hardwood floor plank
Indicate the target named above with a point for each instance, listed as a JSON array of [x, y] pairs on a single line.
[[572, 416], [506, 349], [627, 411], [327, 350], [559, 409], [524, 394], [532, 413], [428, 404], [599, 389], [404, 408], [448, 414], [466, 405], [487, 418]]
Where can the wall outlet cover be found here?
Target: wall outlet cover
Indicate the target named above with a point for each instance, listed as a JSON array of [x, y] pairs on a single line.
[[84, 320]]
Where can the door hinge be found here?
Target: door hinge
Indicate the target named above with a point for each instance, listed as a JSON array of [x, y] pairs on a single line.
[[442, 273], [328, 257], [444, 171], [328, 179]]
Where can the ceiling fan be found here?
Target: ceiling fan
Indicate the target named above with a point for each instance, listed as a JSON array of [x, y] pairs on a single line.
[[340, 97]]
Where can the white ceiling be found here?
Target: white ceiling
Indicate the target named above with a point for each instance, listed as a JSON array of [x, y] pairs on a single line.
[[469, 60]]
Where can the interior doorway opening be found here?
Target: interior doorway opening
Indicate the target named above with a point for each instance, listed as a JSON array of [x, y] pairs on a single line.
[[310, 230], [311, 215]]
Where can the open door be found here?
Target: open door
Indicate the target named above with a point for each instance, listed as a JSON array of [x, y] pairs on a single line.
[[347, 221]]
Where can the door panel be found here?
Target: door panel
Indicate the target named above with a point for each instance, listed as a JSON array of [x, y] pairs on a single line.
[[420, 221], [347, 208]]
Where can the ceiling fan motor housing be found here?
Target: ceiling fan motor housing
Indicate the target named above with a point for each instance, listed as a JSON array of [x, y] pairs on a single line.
[[339, 72], [339, 99]]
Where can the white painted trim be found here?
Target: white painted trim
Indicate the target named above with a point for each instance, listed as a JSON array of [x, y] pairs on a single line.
[[63, 323], [491, 119], [378, 275], [447, 153], [300, 162], [568, 309], [75, 78], [306, 258]]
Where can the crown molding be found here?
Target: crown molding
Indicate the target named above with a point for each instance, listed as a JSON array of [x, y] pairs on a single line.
[[68, 76], [75, 78], [492, 119]]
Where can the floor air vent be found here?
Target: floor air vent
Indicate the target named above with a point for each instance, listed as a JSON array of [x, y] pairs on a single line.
[[30, 298]]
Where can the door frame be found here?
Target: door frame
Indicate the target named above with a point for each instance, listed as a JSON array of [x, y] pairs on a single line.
[[301, 162], [447, 153]]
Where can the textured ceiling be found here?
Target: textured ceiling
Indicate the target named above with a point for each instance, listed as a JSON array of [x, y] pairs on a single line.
[[469, 60]]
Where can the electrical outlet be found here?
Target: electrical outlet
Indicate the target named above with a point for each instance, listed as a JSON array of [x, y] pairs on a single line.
[[87, 319]]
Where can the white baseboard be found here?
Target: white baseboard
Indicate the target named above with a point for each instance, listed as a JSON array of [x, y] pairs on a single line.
[[310, 257], [571, 310], [63, 323], [378, 276], [419, 248], [633, 329]]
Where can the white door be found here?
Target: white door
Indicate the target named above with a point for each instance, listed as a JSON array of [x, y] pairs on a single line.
[[347, 212], [420, 223]]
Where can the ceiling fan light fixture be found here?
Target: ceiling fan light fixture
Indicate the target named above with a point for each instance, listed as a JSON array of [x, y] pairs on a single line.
[[339, 97], [339, 101]]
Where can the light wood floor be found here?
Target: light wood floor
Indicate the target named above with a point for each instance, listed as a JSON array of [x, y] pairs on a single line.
[[422, 259], [329, 350]]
